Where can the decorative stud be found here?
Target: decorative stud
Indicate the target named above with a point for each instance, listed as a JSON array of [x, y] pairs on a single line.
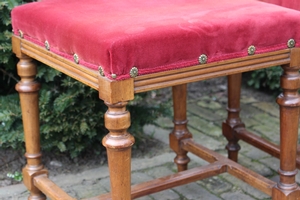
[[203, 59], [251, 50], [134, 72], [76, 58], [21, 34], [47, 45], [101, 72], [114, 76], [291, 43]]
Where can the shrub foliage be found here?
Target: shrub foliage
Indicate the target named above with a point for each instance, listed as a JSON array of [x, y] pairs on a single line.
[[266, 79]]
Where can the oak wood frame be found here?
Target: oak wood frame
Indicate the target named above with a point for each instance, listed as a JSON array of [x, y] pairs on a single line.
[[118, 142]]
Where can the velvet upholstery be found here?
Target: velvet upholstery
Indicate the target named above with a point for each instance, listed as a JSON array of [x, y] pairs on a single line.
[[155, 35], [294, 4]]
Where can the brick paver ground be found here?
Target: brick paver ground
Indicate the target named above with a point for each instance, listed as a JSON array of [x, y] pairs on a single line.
[[205, 117]]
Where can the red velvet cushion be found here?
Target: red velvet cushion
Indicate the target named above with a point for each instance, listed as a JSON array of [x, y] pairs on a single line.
[[294, 4], [155, 35]]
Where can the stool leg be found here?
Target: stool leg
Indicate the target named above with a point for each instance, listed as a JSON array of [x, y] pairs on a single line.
[[180, 130], [118, 144], [28, 91], [233, 120], [289, 102]]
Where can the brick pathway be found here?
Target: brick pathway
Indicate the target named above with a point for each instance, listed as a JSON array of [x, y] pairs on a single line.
[[205, 117]]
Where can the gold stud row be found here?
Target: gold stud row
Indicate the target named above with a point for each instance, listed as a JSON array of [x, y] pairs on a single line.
[[251, 51], [134, 70]]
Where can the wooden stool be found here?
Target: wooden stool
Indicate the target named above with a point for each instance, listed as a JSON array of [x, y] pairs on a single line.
[[121, 48]]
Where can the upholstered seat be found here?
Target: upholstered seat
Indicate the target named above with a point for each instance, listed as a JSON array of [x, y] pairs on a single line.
[[124, 47], [154, 36]]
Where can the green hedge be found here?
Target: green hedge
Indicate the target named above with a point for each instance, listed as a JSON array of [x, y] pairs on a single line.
[[71, 114], [266, 79]]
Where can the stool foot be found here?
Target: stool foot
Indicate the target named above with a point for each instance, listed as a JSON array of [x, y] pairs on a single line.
[[36, 195], [180, 130], [28, 92], [278, 194], [118, 144], [233, 120], [289, 102]]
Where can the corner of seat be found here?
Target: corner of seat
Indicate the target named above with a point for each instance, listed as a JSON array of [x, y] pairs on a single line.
[[114, 91]]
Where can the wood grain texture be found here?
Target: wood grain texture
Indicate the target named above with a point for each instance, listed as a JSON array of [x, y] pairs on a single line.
[[289, 102], [51, 189], [233, 121], [115, 91], [180, 130], [118, 143], [233, 168], [28, 91]]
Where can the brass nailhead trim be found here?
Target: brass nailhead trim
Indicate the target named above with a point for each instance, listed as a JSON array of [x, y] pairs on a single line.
[[114, 76], [47, 45], [21, 34], [101, 72], [202, 59], [291, 43], [134, 72], [251, 50], [76, 58]]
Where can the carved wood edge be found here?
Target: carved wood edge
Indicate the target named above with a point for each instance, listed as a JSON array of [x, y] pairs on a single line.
[[50, 189], [170, 181], [258, 142], [80, 73], [252, 178], [153, 81], [211, 70], [219, 165]]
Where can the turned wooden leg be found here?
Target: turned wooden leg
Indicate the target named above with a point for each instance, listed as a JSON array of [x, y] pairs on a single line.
[[180, 130], [118, 144], [233, 120], [28, 91], [289, 102]]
